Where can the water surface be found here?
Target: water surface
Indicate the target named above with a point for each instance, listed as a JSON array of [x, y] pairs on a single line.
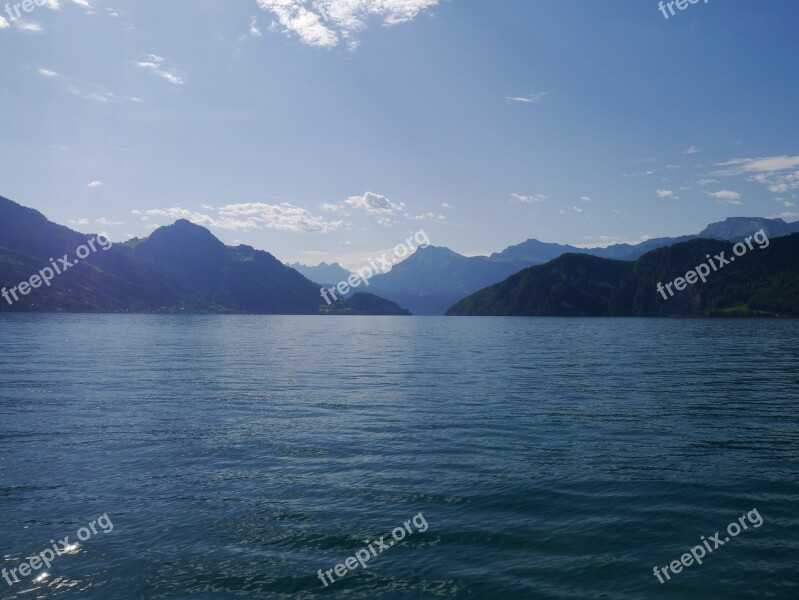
[[552, 458]]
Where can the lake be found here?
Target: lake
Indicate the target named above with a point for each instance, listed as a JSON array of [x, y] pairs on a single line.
[[237, 456]]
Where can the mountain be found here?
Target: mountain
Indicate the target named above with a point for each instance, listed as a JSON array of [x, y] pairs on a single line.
[[533, 252], [761, 282], [113, 280], [178, 268], [361, 303], [433, 278], [731, 229], [324, 274], [737, 228]]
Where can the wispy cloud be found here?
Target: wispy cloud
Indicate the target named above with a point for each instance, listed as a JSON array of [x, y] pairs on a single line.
[[328, 23], [155, 64], [726, 196], [375, 204], [786, 215], [692, 150], [107, 223], [47, 73], [534, 199], [249, 216], [94, 184], [28, 26], [284, 217], [99, 96], [529, 99], [744, 166], [428, 216], [777, 173], [666, 194], [14, 11], [255, 31]]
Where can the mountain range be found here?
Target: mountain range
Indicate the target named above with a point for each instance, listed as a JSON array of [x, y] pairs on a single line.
[[763, 281], [178, 268], [324, 274], [433, 279], [184, 268]]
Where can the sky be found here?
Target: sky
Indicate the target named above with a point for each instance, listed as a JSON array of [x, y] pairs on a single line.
[[330, 130]]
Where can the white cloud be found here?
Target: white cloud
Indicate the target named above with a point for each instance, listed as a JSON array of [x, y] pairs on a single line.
[[78, 221], [29, 26], [327, 23], [283, 217], [254, 29], [106, 222], [94, 184], [785, 215], [327, 206], [249, 216], [773, 164], [155, 64], [47, 73], [707, 181], [779, 183], [577, 209], [529, 199], [428, 216], [692, 150], [99, 96], [666, 194], [15, 12], [530, 99], [777, 173], [375, 204], [585, 198], [726, 196], [177, 212], [445, 205]]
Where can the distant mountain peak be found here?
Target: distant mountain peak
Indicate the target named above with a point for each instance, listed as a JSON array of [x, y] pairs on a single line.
[[186, 232]]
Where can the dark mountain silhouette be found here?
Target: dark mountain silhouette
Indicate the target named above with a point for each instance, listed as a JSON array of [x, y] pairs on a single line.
[[361, 303], [179, 268], [435, 278], [761, 282]]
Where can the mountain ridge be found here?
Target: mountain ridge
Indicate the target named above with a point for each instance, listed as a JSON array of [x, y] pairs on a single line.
[[180, 267], [762, 282]]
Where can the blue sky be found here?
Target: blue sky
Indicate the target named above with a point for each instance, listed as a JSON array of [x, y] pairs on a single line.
[[331, 129]]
